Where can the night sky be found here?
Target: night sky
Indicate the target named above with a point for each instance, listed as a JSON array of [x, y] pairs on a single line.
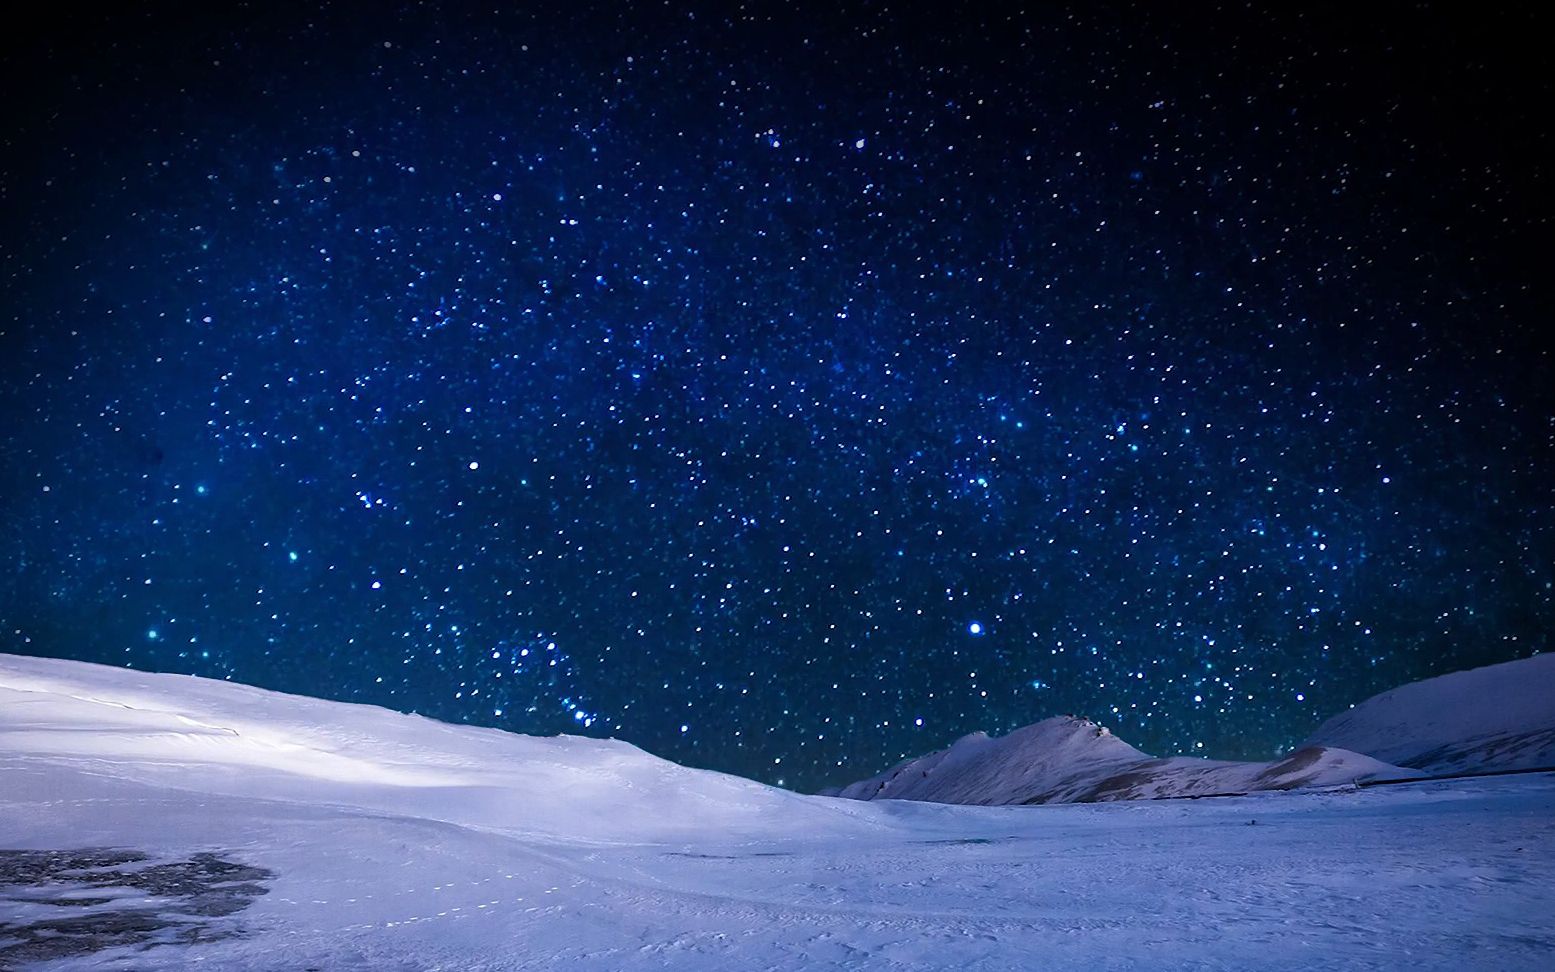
[[783, 392]]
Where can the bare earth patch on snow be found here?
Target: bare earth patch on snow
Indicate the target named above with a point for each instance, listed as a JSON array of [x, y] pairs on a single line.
[[58, 904]]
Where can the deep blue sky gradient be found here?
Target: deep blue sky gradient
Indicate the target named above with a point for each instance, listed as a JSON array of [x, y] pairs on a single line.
[[784, 391]]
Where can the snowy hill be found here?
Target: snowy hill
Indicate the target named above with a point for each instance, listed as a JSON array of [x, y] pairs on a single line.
[[171, 823], [158, 729], [1501, 717], [1070, 760]]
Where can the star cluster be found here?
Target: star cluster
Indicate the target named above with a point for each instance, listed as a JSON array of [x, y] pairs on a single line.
[[784, 391]]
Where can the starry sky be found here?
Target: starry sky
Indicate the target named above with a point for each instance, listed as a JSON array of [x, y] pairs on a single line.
[[784, 390]]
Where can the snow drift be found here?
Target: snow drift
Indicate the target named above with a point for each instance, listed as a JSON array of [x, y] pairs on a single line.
[[1492, 719]]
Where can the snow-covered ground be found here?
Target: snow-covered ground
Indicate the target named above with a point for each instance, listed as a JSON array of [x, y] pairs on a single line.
[[251, 830]]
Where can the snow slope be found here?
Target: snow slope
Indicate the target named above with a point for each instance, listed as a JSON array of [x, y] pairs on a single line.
[[163, 822], [242, 741], [1501, 717], [1070, 760]]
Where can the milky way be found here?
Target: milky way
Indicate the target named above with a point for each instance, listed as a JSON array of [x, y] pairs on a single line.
[[784, 392]]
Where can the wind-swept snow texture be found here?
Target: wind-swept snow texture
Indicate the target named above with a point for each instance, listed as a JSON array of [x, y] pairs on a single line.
[[165, 822], [1492, 719], [1070, 760]]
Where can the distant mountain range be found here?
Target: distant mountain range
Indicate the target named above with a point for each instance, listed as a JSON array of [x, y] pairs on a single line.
[[1493, 719]]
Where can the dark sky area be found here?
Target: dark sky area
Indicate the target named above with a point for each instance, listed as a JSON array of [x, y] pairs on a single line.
[[783, 390]]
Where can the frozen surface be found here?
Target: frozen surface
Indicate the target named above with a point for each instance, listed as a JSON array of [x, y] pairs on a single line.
[[1070, 760], [1501, 717], [195, 824]]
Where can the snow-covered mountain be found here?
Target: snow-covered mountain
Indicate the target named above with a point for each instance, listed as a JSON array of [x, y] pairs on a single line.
[[1497, 718], [1070, 760], [1484, 720]]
